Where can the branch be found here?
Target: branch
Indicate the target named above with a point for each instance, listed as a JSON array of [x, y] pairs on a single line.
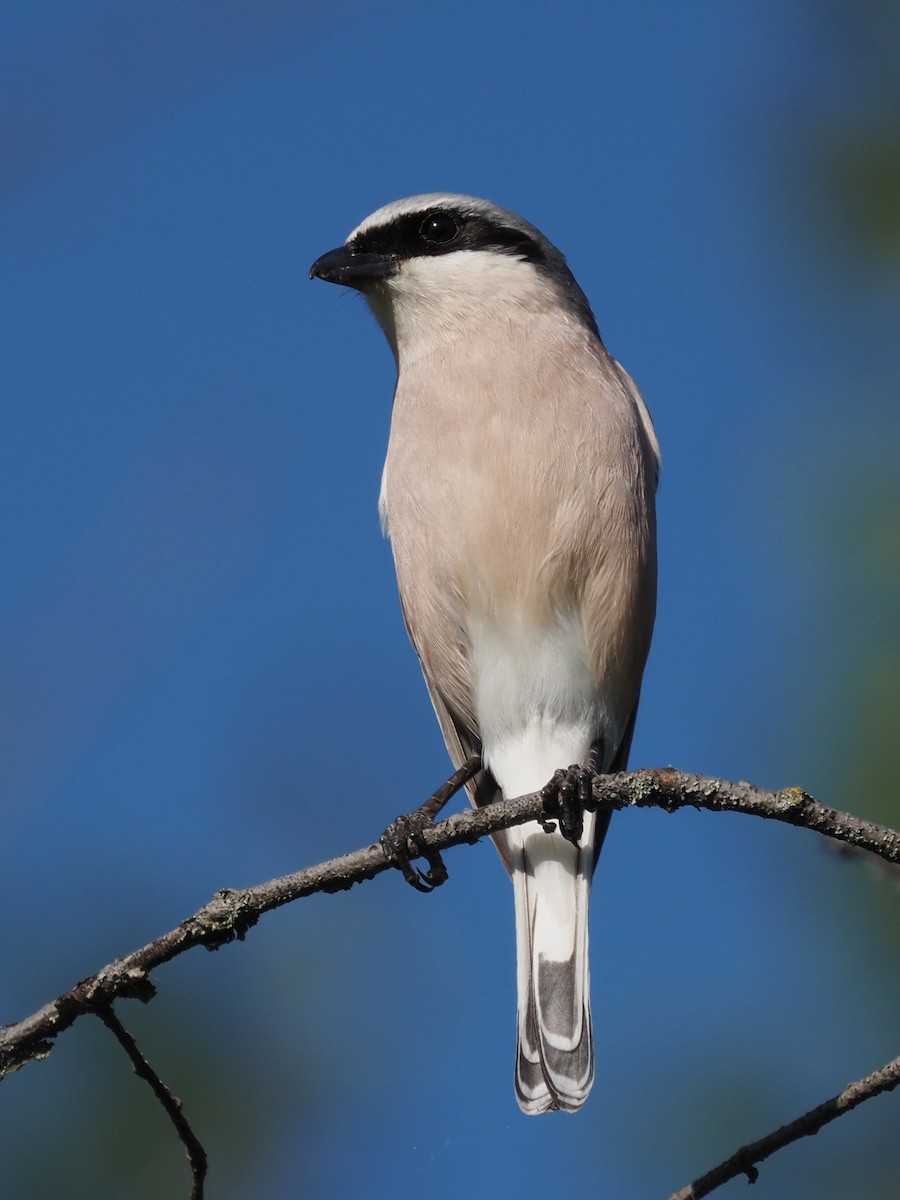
[[885, 1079], [196, 1155], [231, 913]]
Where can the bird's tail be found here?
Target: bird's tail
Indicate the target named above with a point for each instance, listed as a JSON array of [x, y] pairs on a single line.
[[555, 1054]]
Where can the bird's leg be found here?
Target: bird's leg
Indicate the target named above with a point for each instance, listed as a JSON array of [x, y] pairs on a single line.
[[402, 840], [569, 795]]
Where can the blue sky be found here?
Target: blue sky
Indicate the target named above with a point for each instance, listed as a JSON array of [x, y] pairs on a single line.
[[206, 679]]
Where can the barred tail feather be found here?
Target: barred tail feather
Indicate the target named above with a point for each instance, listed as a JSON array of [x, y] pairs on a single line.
[[555, 1054]]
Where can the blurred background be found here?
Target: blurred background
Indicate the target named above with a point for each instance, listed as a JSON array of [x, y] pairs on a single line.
[[204, 676]]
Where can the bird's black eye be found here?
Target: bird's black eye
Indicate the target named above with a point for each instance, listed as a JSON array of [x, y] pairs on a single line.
[[439, 228]]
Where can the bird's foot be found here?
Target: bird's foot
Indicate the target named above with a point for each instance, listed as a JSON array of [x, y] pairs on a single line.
[[567, 797], [402, 841]]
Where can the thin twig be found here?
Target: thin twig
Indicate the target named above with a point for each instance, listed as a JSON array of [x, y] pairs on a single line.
[[195, 1152], [231, 913], [743, 1162]]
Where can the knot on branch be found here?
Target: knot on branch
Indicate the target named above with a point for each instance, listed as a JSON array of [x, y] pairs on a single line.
[[748, 1169], [228, 916], [117, 979], [668, 788], [792, 800], [663, 787]]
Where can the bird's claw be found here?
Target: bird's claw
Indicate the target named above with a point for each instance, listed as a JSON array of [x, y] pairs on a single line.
[[401, 842], [567, 797]]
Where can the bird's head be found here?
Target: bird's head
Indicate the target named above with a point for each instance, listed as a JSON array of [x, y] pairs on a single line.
[[433, 267]]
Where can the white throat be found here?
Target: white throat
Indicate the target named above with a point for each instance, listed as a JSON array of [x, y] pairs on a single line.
[[436, 300]]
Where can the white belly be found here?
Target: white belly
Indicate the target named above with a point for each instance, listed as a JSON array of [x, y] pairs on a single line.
[[535, 698]]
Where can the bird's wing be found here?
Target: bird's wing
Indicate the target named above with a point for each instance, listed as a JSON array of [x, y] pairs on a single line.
[[461, 740]]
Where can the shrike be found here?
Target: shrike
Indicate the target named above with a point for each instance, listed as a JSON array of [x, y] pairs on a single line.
[[518, 494]]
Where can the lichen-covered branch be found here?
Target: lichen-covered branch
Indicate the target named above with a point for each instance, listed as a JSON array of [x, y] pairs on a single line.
[[232, 912]]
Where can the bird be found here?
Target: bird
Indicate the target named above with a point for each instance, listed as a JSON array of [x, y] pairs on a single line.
[[518, 494]]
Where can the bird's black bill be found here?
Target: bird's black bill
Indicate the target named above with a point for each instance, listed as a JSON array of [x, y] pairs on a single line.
[[352, 270]]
